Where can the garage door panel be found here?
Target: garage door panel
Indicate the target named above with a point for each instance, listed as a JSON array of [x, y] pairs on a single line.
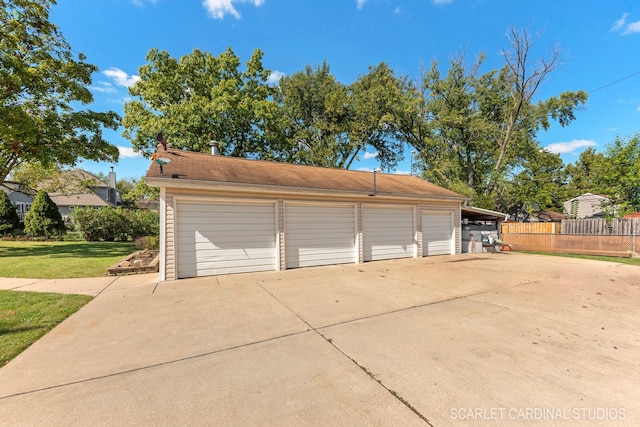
[[223, 238], [388, 233], [319, 235], [437, 234]]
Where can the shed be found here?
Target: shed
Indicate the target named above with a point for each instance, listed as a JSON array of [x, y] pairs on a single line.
[[221, 215]]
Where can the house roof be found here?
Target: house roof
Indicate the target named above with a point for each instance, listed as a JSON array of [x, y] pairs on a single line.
[[550, 216], [78, 199], [188, 167], [632, 215], [589, 196]]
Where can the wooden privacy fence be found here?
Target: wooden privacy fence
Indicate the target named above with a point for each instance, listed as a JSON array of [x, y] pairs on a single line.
[[616, 226], [598, 237]]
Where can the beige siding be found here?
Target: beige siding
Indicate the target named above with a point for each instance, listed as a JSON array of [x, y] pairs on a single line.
[[283, 261], [170, 239], [418, 220]]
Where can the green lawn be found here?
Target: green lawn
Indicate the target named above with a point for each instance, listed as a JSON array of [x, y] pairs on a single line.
[[630, 261], [57, 260], [27, 316]]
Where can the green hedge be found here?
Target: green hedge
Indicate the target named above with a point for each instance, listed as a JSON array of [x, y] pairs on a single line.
[[115, 224]]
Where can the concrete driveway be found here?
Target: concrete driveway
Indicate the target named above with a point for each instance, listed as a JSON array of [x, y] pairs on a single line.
[[492, 339]]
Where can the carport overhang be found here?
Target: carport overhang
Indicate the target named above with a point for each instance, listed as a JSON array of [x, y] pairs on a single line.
[[471, 213]]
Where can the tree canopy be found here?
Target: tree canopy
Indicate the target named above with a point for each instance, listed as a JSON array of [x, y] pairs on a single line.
[[200, 98], [41, 85], [472, 131]]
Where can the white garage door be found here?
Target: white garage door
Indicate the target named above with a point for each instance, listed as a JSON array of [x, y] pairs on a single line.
[[222, 238], [387, 233], [437, 234], [319, 235]]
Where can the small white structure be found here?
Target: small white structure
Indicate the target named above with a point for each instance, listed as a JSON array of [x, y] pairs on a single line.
[[587, 206]]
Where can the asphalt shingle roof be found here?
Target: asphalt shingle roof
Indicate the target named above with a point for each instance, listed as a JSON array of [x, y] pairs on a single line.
[[187, 165]]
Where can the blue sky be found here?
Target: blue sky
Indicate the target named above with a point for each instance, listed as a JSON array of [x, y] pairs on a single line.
[[599, 43]]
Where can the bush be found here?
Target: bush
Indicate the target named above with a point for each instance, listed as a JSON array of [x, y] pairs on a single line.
[[9, 219], [143, 222], [117, 224], [148, 242], [100, 224], [44, 218]]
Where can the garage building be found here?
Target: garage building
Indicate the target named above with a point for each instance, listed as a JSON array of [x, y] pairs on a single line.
[[221, 215]]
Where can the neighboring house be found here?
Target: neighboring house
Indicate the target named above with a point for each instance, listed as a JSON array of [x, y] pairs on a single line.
[[546, 216], [85, 190], [222, 215], [22, 201], [587, 206]]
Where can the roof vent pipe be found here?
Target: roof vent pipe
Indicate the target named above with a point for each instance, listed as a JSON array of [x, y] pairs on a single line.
[[375, 190], [215, 150]]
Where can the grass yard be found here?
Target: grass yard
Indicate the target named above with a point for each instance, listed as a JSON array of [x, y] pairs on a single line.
[[58, 260], [630, 261], [27, 316]]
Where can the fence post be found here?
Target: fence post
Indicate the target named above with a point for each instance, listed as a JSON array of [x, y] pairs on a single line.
[[552, 241], [633, 244]]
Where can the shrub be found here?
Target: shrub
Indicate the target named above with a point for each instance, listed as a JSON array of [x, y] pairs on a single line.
[[142, 222], [148, 242], [111, 224], [44, 218], [100, 224], [9, 219]]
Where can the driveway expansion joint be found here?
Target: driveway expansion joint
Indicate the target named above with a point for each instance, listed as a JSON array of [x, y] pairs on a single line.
[[152, 366], [355, 362]]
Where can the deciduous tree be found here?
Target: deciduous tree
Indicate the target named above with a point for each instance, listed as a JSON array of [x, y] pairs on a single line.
[[199, 98], [472, 130], [42, 83], [620, 173]]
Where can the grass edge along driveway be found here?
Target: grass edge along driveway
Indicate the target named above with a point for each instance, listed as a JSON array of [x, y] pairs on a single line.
[[27, 316], [60, 260]]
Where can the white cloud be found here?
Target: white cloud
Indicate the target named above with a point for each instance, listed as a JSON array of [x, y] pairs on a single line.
[[441, 2], [104, 87], [218, 8], [128, 153], [632, 28], [638, 109], [397, 11], [120, 77], [401, 172], [140, 3], [275, 77], [619, 24], [361, 3], [368, 155], [363, 169], [570, 146]]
